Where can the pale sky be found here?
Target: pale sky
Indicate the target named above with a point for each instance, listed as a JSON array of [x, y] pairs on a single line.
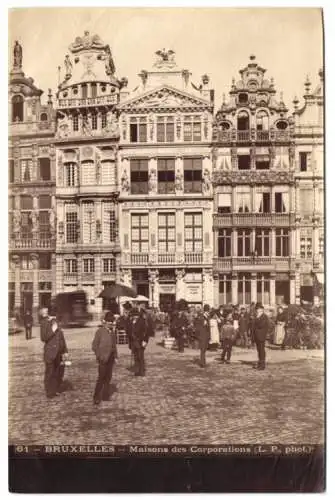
[[288, 42]]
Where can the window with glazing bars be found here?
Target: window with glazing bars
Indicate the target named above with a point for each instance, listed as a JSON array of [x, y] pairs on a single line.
[[282, 242], [70, 266], [109, 265], [306, 251], [88, 265], [108, 222], [192, 175], [140, 233], [192, 128], [193, 232], [165, 129], [139, 176], [75, 123], [224, 242], [71, 219], [243, 242], [70, 174], [11, 176], [94, 118], [44, 169], [88, 222], [263, 242], [44, 224], [138, 129], [166, 232], [166, 175]]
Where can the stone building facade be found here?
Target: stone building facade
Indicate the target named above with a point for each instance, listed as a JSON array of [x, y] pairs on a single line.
[[255, 244], [149, 188], [31, 204], [309, 180], [165, 171], [87, 247]]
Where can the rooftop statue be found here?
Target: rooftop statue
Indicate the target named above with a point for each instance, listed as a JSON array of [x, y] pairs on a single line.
[[17, 55], [165, 58], [87, 42]]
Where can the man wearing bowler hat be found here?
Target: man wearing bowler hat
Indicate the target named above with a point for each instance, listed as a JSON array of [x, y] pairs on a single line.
[[260, 331], [104, 347], [202, 328]]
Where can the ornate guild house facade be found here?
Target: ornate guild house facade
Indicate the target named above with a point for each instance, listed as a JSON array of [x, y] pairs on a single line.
[[150, 188], [165, 173]]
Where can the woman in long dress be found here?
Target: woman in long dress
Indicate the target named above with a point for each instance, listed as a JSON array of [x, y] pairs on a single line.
[[280, 329], [214, 328]]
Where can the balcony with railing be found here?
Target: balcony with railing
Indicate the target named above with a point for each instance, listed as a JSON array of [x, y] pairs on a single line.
[[223, 177], [253, 220], [33, 243], [193, 257], [251, 135], [167, 258], [70, 278], [253, 263]]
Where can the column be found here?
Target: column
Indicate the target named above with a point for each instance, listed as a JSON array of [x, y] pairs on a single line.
[[272, 289], [234, 288], [59, 274], [79, 270], [97, 308], [180, 288], [233, 199], [234, 242], [179, 236], [17, 297], [273, 244], [253, 239], [153, 236], [54, 274], [292, 288], [179, 175], [153, 287], [207, 287], [297, 237], [253, 287], [34, 217], [297, 286], [34, 258]]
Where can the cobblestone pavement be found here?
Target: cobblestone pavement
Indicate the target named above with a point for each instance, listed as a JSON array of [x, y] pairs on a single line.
[[177, 402]]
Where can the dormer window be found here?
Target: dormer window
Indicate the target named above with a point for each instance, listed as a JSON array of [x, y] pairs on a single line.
[[84, 91], [93, 90], [17, 108], [243, 98]]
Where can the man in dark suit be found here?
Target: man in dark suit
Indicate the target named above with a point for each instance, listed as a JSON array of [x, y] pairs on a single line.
[[138, 340], [54, 348], [202, 329], [28, 324], [104, 347], [179, 325], [260, 330]]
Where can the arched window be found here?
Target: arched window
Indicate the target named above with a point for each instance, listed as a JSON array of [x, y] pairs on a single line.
[[243, 121], [243, 98], [44, 117], [84, 91], [17, 108], [93, 90], [262, 121]]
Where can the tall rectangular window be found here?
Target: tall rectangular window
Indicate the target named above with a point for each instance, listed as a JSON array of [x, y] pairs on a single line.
[[193, 232], [244, 288], [243, 242], [139, 176], [109, 265], [71, 224], [45, 260], [192, 128], [224, 203], [140, 233], [70, 174], [44, 224], [243, 199], [75, 122], [281, 202], [263, 288], [166, 175], [44, 201], [88, 174], [26, 202], [303, 161], [107, 172], [44, 169], [263, 242], [138, 129], [108, 222], [26, 225], [192, 175], [224, 242], [166, 232], [321, 245], [88, 222], [282, 242], [225, 296], [165, 129], [26, 170], [11, 174], [70, 266], [263, 202], [88, 265], [93, 90]]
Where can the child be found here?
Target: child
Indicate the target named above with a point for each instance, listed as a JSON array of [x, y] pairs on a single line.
[[227, 339]]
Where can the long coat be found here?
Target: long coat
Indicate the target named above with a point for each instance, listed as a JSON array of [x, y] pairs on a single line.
[[203, 331], [55, 345], [261, 327], [137, 331], [104, 344]]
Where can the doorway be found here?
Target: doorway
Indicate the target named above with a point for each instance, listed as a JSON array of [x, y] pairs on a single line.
[[167, 301], [283, 292]]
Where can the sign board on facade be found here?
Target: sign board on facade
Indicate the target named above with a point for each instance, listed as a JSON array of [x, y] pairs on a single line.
[[167, 288], [193, 292]]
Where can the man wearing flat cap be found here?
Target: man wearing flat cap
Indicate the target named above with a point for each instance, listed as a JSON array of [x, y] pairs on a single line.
[[261, 326], [104, 347]]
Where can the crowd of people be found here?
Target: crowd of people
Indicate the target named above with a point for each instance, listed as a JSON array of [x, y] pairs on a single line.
[[204, 329]]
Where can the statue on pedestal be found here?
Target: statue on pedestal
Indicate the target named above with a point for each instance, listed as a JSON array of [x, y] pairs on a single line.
[[17, 55]]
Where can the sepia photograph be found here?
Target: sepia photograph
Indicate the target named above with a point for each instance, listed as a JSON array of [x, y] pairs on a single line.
[[166, 286]]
